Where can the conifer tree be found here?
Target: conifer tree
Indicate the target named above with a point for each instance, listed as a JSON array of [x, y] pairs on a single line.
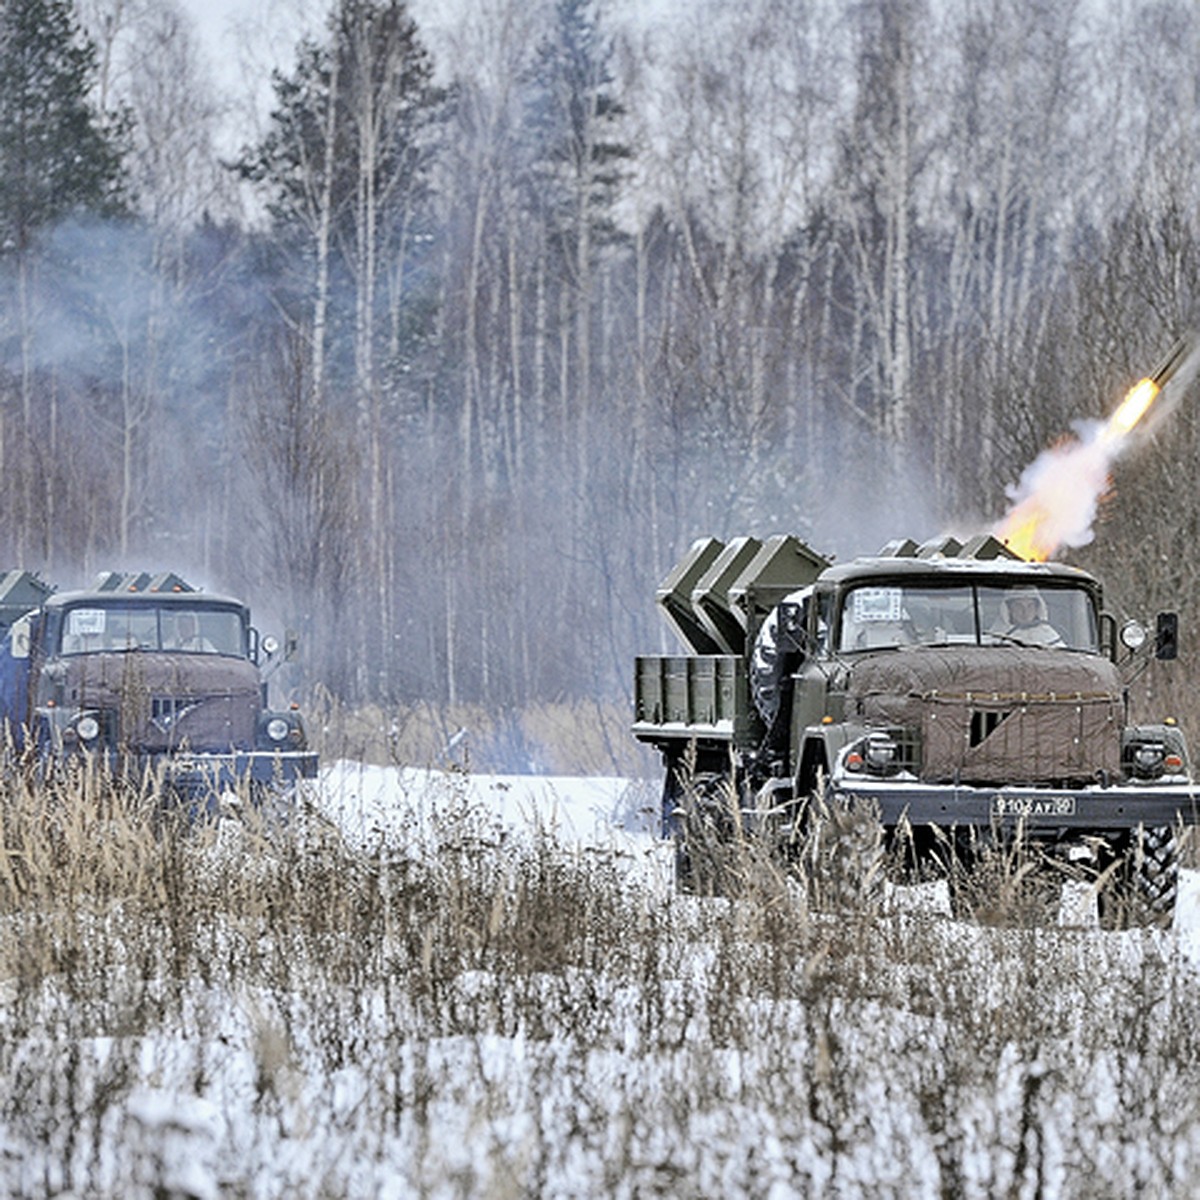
[[345, 164], [58, 154], [576, 154], [574, 127]]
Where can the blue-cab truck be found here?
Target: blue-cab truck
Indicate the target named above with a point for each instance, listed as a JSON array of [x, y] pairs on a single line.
[[148, 678]]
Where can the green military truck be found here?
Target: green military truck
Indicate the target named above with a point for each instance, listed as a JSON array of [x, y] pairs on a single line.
[[145, 676], [965, 698]]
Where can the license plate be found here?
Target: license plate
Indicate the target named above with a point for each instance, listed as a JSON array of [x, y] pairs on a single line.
[[1033, 806]]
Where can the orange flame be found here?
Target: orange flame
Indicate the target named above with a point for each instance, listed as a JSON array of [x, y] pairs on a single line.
[[1023, 530], [1068, 480], [1132, 409]]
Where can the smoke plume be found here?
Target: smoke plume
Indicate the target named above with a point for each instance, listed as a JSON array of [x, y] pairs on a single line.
[[1055, 502]]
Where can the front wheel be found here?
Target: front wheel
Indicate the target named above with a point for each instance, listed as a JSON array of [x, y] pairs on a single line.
[[1140, 886]]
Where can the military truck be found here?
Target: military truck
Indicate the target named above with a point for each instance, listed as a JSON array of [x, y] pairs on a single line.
[[965, 698], [143, 675]]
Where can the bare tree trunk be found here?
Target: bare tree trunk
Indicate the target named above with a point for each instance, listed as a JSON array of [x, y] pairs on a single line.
[[516, 375], [323, 234], [583, 337], [901, 317]]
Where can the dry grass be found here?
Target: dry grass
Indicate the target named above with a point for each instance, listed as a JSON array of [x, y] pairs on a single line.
[[491, 1014]]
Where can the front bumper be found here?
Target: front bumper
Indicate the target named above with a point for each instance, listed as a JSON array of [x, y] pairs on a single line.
[[198, 775], [1031, 809]]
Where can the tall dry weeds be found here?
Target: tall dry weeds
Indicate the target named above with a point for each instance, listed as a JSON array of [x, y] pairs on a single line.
[[478, 1010]]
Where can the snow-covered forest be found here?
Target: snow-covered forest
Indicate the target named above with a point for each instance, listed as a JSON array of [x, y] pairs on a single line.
[[440, 359], [447, 361]]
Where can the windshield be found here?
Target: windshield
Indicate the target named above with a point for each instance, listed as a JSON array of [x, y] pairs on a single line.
[[186, 630], [883, 616]]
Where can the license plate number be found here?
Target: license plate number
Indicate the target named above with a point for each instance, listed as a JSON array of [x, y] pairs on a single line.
[[1033, 806]]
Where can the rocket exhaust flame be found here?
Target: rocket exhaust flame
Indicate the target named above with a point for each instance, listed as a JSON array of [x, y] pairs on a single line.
[[1133, 408], [1055, 502]]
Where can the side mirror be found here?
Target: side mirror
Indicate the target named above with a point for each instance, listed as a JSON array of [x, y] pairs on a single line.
[[1166, 636], [793, 619]]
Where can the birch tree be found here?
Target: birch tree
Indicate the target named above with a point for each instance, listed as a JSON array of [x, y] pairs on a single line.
[[346, 162], [1021, 171], [884, 151], [746, 170]]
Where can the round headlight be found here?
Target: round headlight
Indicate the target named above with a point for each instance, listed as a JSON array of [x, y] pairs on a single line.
[[1148, 759], [1133, 635], [270, 644], [277, 729], [88, 728], [881, 753]]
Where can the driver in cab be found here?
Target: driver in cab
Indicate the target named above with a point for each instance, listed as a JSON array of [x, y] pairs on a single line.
[[189, 637], [1025, 619]]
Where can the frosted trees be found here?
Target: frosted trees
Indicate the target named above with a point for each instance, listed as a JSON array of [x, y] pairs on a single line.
[[744, 169], [345, 163], [524, 398]]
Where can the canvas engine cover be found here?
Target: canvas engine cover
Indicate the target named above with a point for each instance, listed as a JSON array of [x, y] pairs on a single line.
[[170, 701], [997, 715]]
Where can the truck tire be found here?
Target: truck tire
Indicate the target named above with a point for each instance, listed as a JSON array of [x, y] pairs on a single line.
[[1143, 887], [707, 836], [842, 857]]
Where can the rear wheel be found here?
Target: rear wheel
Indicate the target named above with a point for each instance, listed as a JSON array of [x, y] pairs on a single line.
[[707, 834]]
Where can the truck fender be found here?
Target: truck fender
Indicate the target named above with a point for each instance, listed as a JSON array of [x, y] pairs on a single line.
[[814, 762], [821, 746]]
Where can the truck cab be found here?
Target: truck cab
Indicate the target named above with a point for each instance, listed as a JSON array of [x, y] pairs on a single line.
[[988, 672]]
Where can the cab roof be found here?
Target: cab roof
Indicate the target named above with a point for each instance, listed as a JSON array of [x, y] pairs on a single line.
[[113, 599], [943, 570]]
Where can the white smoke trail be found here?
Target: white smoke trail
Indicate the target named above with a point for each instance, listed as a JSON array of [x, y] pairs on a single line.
[[1054, 504], [1055, 501]]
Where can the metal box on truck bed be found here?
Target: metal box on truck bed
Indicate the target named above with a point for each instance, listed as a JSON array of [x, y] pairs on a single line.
[[685, 696]]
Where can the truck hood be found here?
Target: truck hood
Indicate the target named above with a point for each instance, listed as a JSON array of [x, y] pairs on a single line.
[[996, 714], [203, 702]]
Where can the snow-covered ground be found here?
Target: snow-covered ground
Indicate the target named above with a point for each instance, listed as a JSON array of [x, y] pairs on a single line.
[[371, 802], [376, 803], [702, 1049]]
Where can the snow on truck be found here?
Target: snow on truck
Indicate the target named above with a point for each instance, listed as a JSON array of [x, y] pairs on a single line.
[[961, 695], [145, 674]]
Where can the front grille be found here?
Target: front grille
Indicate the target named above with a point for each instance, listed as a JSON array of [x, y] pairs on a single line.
[[165, 711], [1028, 739], [984, 722]]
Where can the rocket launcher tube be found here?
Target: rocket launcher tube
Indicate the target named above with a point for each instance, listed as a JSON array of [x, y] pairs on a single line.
[[1174, 359]]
